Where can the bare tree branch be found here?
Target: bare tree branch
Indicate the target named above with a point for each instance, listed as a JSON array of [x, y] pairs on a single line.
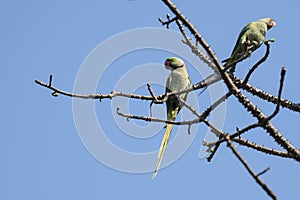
[[168, 22], [283, 71], [213, 148], [263, 172], [157, 99], [263, 59], [153, 119], [232, 136], [255, 176], [252, 126], [153, 96], [200, 117], [263, 149], [266, 96]]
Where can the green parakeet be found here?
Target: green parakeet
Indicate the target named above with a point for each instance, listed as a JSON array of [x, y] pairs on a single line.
[[177, 80], [254, 33]]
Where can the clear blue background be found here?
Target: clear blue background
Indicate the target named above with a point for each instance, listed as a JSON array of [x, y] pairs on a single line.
[[41, 154]]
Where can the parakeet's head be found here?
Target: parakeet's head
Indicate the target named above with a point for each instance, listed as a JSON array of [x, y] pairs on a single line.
[[173, 63], [269, 21]]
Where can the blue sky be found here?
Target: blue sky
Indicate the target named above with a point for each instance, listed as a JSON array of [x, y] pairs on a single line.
[[41, 150]]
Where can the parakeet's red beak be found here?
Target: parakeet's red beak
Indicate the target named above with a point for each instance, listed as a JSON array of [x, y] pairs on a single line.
[[272, 24], [168, 65]]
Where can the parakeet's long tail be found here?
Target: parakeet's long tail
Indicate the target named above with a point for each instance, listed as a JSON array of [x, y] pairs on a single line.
[[162, 148]]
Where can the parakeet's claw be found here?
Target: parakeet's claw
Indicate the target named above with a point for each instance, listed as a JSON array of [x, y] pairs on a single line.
[[247, 41], [269, 41]]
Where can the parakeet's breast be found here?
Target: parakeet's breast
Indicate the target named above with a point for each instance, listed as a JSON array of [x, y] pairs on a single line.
[[178, 80]]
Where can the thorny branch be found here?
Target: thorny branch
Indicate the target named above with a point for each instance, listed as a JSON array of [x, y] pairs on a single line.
[[255, 176], [263, 149], [266, 96]]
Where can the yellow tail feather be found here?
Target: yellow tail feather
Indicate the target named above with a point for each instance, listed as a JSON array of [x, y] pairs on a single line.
[[162, 148]]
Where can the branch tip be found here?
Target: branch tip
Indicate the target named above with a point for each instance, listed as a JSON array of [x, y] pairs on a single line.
[[55, 94], [189, 129], [264, 171], [50, 80]]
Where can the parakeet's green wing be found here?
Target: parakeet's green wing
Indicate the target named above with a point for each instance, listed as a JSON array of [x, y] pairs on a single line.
[[236, 46], [175, 103], [255, 32]]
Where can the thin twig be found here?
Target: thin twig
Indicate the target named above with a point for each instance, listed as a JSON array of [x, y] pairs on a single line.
[[263, 149], [152, 119], [153, 96], [255, 176], [151, 92], [168, 22], [214, 150], [203, 57], [283, 71], [263, 172], [232, 136], [90, 96], [201, 118], [50, 80], [220, 134], [263, 59], [159, 99], [216, 104]]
